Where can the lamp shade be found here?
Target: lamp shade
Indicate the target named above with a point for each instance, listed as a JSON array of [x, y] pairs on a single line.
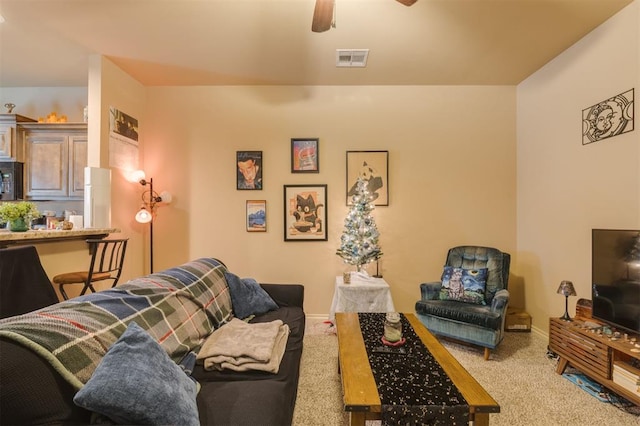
[[165, 197], [143, 216], [136, 176], [566, 289]]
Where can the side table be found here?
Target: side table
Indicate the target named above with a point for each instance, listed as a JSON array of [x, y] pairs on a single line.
[[364, 294]]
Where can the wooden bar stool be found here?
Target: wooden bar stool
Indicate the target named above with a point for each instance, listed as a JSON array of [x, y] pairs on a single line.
[[107, 258]]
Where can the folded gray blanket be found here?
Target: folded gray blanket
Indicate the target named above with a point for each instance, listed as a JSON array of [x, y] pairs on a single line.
[[242, 346]]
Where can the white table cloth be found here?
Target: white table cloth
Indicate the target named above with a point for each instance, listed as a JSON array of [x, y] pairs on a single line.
[[364, 294]]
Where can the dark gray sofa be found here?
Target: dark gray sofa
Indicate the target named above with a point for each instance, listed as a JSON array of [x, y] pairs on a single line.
[[258, 398], [34, 391]]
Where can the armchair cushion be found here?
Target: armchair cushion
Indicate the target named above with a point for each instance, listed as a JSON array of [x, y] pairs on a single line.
[[468, 313], [464, 285]]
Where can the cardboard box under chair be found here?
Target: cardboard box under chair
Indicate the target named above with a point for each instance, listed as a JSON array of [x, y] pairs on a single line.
[[517, 320]]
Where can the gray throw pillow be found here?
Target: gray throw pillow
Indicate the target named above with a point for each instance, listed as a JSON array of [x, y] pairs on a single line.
[[136, 382], [247, 297]]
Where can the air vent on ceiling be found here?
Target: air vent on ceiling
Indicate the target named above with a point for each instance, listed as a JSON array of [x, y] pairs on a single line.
[[351, 57]]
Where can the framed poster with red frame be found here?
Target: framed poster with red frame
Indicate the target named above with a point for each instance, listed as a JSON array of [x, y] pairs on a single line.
[[305, 155]]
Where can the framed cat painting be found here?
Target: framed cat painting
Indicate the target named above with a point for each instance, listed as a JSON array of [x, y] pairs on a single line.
[[305, 212]]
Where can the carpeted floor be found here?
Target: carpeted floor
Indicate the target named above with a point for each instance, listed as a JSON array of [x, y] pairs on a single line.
[[519, 375]]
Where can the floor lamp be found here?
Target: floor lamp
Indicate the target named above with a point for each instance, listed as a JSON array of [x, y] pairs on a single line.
[[147, 211]]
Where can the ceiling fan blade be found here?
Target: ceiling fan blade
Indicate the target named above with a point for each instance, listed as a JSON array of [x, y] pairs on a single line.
[[407, 2], [322, 16]]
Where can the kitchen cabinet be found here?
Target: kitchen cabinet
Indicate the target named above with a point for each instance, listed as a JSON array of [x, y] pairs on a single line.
[[55, 158], [12, 137]]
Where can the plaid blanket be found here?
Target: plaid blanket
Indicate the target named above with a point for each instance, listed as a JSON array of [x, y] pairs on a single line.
[[179, 307]]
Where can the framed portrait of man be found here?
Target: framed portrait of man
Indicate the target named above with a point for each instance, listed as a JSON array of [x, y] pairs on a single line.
[[248, 170]]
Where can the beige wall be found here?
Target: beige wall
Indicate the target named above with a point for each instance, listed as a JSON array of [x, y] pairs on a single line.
[[565, 188], [454, 173], [452, 176], [110, 87]]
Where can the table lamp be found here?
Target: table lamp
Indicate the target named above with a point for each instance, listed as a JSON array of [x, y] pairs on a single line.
[[566, 289]]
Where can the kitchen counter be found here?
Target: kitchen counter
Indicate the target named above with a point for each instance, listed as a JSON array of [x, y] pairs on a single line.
[[8, 238]]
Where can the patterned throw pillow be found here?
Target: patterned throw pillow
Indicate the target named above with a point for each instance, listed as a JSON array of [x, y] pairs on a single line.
[[464, 285]]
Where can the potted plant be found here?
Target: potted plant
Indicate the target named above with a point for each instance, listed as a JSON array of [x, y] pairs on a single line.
[[19, 214]]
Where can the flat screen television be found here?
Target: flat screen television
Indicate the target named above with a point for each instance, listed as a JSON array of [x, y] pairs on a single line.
[[615, 266]]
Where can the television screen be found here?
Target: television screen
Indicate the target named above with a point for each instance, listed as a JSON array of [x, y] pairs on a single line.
[[615, 267]]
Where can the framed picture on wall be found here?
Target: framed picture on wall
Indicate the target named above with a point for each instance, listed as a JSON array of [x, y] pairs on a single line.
[[249, 170], [305, 212], [256, 216], [305, 156], [373, 167]]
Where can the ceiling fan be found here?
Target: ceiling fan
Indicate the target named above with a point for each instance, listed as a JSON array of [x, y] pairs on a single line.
[[323, 14]]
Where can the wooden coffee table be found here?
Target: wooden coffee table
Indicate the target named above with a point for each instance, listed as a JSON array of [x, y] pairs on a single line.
[[359, 387]]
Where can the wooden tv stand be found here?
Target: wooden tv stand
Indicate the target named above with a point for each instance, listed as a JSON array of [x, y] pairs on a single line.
[[595, 354]]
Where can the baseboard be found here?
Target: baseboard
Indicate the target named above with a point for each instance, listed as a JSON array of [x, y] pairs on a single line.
[[542, 333], [317, 317]]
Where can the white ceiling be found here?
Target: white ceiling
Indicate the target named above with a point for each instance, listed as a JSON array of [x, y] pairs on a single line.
[[246, 42]]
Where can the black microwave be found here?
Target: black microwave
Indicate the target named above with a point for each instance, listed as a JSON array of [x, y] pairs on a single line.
[[11, 182]]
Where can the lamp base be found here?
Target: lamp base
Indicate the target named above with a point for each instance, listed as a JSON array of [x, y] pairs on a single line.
[[566, 317]]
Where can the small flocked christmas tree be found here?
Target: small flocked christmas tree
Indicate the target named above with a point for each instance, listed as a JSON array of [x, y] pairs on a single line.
[[359, 241]]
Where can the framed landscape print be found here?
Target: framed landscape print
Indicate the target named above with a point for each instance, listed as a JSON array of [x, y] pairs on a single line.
[[305, 156], [373, 167], [249, 169], [256, 216], [305, 212]]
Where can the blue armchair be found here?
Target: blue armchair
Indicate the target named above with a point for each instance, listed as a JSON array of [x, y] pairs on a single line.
[[459, 306]]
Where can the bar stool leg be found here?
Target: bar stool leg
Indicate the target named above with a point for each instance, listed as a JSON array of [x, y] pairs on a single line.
[[62, 292]]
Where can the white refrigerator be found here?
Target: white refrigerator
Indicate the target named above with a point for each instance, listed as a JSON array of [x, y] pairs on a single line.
[[97, 197]]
